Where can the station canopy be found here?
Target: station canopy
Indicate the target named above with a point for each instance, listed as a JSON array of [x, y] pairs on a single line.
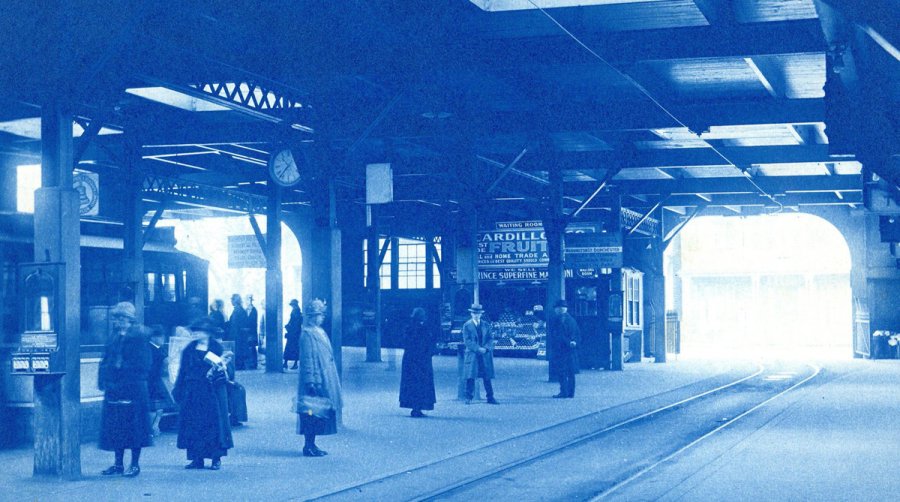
[[683, 104]]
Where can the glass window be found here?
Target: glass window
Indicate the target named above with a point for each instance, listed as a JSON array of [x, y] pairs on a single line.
[[634, 314], [168, 287], [149, 287], [435, 269], [385, 271], [411, 264]]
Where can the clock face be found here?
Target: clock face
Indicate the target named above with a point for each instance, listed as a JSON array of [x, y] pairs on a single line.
[[283, 168]]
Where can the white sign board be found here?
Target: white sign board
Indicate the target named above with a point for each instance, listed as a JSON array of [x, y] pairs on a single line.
[[379, 184], [244, 252]]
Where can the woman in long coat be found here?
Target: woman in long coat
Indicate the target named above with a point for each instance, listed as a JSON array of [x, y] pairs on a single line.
[[292, 335], [318, 376], [124, 372], [203, 428], [417, 375]]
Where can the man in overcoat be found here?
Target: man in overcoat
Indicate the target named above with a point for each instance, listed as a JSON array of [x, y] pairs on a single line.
[[478, 361], [237, 332], [565, 337]]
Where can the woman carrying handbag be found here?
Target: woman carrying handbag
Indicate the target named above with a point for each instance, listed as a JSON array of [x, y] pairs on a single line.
[[319, 387]]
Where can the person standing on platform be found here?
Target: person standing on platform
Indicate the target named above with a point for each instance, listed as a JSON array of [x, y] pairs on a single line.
[[237, 332], [160, 398], [417, 374], [565, 337], [292, 335], [252, 335], [318, 377], [123, 375], [478, 361], [203, 428], [216, 314]]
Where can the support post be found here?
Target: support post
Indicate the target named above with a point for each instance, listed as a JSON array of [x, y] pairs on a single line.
[[133, 241], [274, 300], [616, 300], [373, 262], [555, 228], [57, 233]]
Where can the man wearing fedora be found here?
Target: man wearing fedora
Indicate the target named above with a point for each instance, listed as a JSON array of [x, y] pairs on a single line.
[[478, 361], [565, 337]]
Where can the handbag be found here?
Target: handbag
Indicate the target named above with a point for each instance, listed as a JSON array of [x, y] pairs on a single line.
[[314, 406]]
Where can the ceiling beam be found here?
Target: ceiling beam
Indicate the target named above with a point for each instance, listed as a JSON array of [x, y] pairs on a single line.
[[696, 157], [736, 185], [716, 41]]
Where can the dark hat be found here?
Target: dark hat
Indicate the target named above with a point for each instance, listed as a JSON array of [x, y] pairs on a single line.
[[561, 303], [476, 307], [206, 325], [294, 302]]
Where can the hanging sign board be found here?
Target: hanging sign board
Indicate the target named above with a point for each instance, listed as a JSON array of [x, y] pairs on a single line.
[[244, 252], [593, 250], [517, 250], [87, 185]]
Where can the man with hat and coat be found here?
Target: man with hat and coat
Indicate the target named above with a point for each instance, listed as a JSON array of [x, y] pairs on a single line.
[[478, 361], [564, 337]]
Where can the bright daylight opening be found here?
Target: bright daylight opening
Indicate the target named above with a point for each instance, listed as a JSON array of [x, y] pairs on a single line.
[[239, 267], [762, 286]]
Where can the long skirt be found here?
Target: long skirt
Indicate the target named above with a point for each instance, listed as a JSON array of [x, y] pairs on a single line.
[[125, 419]]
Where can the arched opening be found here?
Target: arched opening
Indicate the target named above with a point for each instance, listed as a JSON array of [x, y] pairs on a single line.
[[771, 286], [236, 262]]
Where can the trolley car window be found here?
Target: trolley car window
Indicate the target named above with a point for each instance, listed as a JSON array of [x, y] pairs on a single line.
[[168, 288], [149, 287]]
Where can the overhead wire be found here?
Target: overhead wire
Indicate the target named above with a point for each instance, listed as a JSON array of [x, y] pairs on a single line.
[[658, 104]]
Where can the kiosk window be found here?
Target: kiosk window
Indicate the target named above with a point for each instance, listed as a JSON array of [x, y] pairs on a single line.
[[384, 271], [634, 314]]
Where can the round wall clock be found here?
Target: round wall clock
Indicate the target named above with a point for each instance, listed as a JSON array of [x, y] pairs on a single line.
[[283, 167]]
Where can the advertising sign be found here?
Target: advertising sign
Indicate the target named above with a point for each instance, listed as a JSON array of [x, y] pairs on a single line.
[[244, 252], [593, 250], [517, 250]]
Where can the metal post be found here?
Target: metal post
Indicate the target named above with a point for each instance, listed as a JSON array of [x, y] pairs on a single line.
[[274, 285], [373, 274]]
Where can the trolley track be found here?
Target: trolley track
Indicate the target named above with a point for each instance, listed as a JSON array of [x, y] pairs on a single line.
[[456, 473], [597, 466]]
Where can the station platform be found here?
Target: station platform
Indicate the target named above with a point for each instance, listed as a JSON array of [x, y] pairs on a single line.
[[378, 438]]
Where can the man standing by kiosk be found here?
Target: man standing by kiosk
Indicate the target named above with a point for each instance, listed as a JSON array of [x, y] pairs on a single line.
[[478, 361], [565, 337]]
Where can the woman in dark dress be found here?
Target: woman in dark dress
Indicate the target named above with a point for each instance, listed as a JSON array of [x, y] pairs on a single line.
[[292, 335], [124, 370], [203, 429], [417, 375]]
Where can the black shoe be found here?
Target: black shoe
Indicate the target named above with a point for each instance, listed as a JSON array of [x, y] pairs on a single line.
[[294, 366], [571, 396], [416, 413], [312, 451], [196, 464], [319, 453], [216, 465], [132, 471], [491, 400], [114, 469]]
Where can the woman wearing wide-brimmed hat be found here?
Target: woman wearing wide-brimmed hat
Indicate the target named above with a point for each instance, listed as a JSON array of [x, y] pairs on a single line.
[[203, 427], [123, 375], [318, 378]]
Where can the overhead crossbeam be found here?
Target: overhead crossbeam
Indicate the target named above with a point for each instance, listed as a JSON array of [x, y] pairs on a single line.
[[198, 194], [640, 223]]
